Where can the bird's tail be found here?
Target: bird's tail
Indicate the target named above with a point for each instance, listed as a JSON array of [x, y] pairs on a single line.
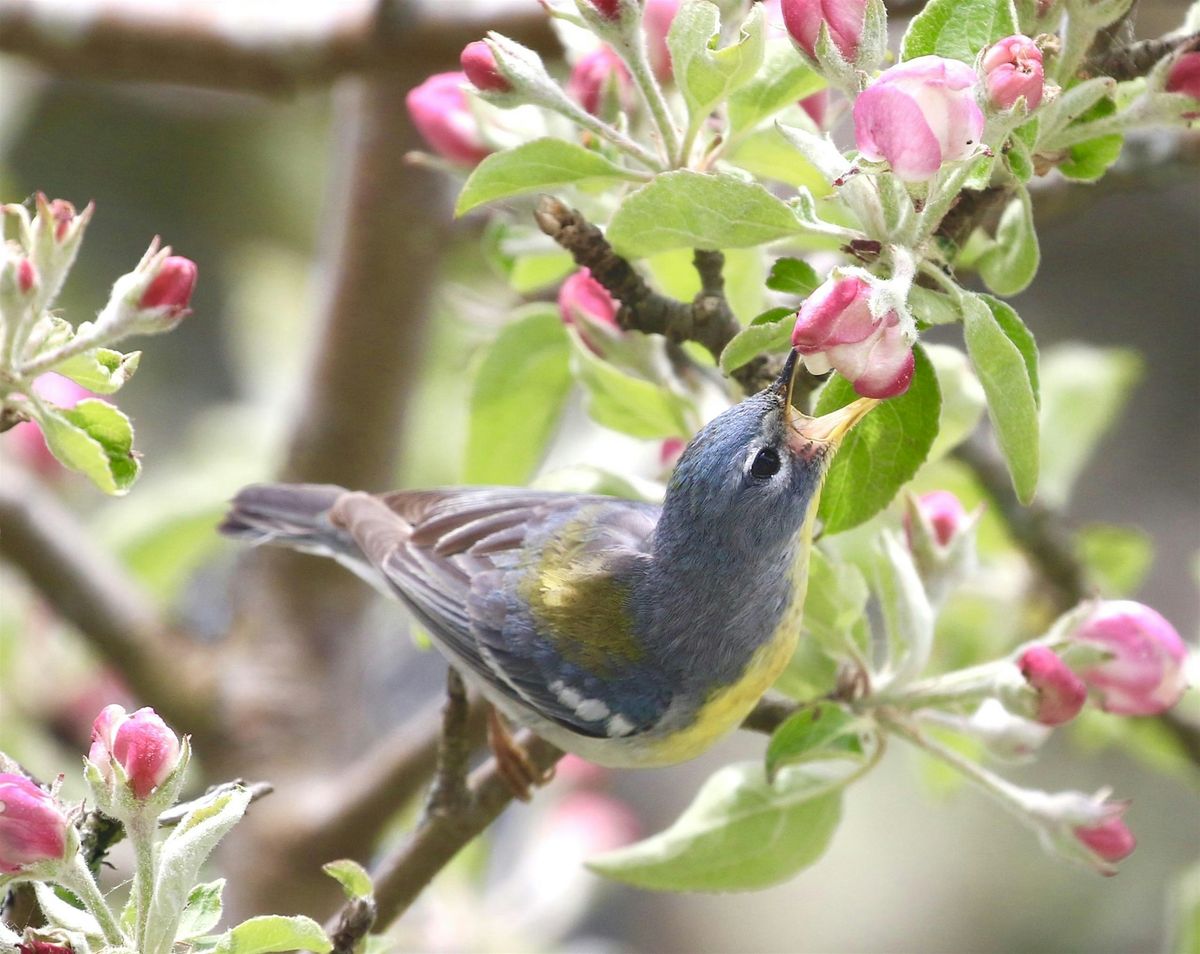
[[289, 515]]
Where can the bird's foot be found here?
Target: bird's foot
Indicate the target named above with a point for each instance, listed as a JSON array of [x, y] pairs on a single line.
[[512, 761]]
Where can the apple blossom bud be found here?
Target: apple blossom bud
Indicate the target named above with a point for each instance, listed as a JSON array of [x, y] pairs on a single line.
[[1012, 68], [1111, 840], [1060, 693], [670, 451], [479, 63], [609, 9], [141, 743], [595, 74], [35, 945], [1143, 672], [817, 107], [1184, 78], [918, 115], [943, 511], [657, 16], [440, 111], [835, 328], [33, 825], [585, 304], [26, 276], [172, 287], [843, 18]]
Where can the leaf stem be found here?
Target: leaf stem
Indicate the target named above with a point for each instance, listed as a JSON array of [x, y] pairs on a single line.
[[78, 878], [639, 66], [141, 831]]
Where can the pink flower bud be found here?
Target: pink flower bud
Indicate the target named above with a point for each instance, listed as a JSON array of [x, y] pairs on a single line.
[[834, 328], [594, 74], [582, 299], [440, 111], [609, 9], [26, 276], [1012, 68], [1184, 78], [1111, 840], [1061, 693], [479, 63], [587, 823], [33, 826], [35, 946], [61, 212], [657, 16], [844, 18], [140, 742], [172, 287], [670, 451], [944, 512], [918, 115], [817, 107], [1144, 672]]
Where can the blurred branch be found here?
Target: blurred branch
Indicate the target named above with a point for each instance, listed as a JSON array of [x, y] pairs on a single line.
[[219, 45], [449, 789], [89, 589], [1137, 59]]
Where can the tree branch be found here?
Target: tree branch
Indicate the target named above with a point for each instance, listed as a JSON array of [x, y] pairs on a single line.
[[90, 590], [1137, 59], [449, 790]]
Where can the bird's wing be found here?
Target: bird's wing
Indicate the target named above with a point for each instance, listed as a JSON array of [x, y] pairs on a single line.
[[529, 589]]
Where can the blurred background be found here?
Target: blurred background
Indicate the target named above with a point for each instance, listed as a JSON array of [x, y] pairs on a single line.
[[285, 181]]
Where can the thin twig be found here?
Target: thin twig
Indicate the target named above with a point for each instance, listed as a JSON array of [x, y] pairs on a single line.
[[353, 923], [449, 790], [89, 589], [1137, 59], [174, 815]]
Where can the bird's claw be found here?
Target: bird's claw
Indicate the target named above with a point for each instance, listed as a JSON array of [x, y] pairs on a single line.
[[512, 761]]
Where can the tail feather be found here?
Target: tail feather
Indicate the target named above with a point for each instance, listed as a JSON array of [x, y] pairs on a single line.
[[290, 515]]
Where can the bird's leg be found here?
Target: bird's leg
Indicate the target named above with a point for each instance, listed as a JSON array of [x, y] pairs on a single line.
[[512, 761], [448, 793]]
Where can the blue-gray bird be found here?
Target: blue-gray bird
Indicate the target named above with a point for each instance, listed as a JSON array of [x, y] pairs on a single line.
[[628, 633]]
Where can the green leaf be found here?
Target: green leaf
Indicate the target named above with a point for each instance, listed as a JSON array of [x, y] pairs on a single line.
[[933, 308], [793, 277], [101, 370], [685, 209], [1002, 351], [904, 606], [352, 876], [1084, 390], [60, 913], [958, 29], [1010, 264], [202, 912], [1117, 558], [759, 337], [541, 164], [627, 404], [821, 731], [883, 451], [516, 399], [767, 154], [963, 400], [1090, 159], [740, 833], [837, 599], [704, 74], [782, 81], [274, 932], [95, 439]]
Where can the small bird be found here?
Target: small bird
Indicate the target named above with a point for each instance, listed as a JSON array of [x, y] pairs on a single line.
[[629, 633]]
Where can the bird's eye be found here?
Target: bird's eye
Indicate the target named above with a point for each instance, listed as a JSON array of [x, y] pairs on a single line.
[[766, 463]]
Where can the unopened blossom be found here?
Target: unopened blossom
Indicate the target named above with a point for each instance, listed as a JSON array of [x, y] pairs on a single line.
[[609, 9], [26, 276], [479, 64], [919, 115], [817, 107], [1184, 78], [943, 512], [843, 18], [140, 742], [594, 75], [33, 825], [1060, 693], [1012, 68], [34, 945], [657, 16], [171, 288], [1142, 672], [835, 329], [1111, 840], [440, 111], [583, 301]]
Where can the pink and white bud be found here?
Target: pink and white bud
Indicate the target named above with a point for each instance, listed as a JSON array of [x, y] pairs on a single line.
[[835, 328], [919, 115], [33, 825], [1184, 78], [26, 438], [1060, 693], [585, 304], [657, 16], [172, 286], [1110, 841], [609, 9], [440, 111], [817, 107], [1012, 69], [141, 743], [26, 276], [479, 64], [669, 452], [943, 512], [844, 19], [1143, 672], [36, 945], [595, 75], [58, 219]]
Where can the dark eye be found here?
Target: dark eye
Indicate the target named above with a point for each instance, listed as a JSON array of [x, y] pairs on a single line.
[[766, 463]]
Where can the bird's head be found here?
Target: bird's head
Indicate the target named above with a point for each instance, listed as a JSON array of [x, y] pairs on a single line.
[[752, 475]]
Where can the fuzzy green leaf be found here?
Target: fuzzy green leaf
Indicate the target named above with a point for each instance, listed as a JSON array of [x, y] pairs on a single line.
[[1010, 264], [274, 932], [963, 400], [883, 451], [541, 164], [94, 438], [1005, 358], [958, 29], [352, 876], [759, 337], [837, 599], [740, 833], [517, 398], [783, 79], [821, 731], [202, 912], [793, 277], [1090, 159], [100, 370], [704, 74], [626, 403], [685, 209]]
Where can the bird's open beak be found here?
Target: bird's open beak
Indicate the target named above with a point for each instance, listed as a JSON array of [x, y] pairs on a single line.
[[807, 432]]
